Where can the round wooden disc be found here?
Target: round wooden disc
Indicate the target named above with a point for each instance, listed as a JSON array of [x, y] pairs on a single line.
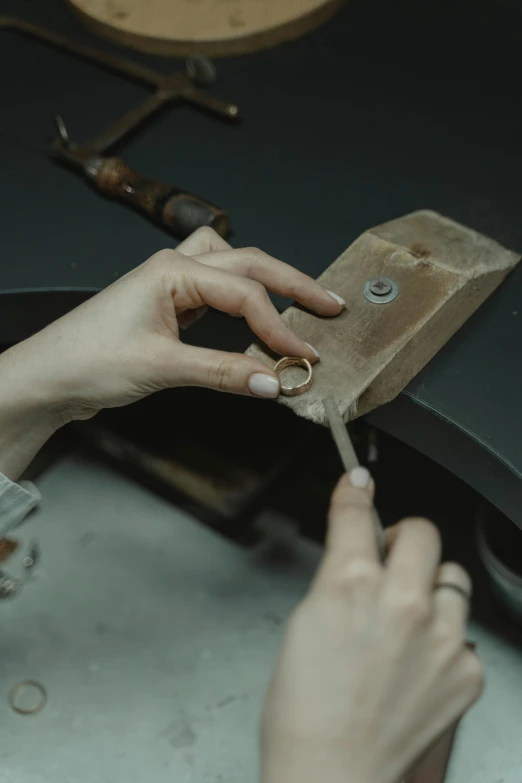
[[212, 27]]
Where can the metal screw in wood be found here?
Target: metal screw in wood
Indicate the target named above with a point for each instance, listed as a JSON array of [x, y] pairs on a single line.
[[381, 290]]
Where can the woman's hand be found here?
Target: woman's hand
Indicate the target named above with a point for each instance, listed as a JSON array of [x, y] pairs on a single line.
[[374, 667], [124, 343]]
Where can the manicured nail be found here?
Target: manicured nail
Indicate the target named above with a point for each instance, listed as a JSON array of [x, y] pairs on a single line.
[[360, 477], [316, 353], [263, 385], [337, 298]]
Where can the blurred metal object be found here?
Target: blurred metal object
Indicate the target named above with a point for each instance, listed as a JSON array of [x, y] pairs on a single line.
[[505, 581], [201, 70], [63, 134], [32, 557], [17, 691], [9, 585], [372, 446]]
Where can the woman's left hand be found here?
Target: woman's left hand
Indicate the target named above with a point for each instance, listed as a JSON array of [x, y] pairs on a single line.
[[124, 343]]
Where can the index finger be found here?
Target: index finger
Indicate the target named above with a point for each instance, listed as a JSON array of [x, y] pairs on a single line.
[[238, 296], [277, 276]]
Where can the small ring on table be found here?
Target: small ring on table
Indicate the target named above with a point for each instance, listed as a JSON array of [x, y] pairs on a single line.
[[295, 361], [16, 690], [456, 589]]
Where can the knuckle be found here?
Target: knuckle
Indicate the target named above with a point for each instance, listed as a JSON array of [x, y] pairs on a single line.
[[252, 252], [220, 374], [422, 526], [350, 500], [257, 290], [271, 333], [358, 574], [160, 261], [414, 609], [446, 636], [448, 642], [205, 231], [161, 257], [251, 259]]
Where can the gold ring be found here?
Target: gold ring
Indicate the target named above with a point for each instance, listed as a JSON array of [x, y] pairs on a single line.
[[19, 688], [294, 361]]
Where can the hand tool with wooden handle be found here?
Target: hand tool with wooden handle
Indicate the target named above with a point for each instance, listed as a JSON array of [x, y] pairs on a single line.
[[176, 210]]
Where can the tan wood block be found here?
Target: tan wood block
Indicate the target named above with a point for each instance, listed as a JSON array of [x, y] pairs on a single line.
[[369, 353]]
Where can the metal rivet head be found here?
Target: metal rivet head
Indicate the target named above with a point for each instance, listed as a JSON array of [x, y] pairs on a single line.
[[381, 290]]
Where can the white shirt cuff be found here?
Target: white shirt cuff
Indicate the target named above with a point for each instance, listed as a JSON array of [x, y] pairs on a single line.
[[16, 501]]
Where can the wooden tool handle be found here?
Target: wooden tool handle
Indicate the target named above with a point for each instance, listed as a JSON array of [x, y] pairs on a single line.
[[179, 212]]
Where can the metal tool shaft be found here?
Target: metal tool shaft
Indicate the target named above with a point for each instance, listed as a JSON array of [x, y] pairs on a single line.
[[349, 458], [103, 59]]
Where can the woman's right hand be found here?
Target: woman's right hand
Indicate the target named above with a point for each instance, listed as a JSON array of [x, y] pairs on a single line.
[[374, 667]]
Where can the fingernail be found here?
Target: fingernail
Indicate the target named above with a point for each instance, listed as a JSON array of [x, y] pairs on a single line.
[[263, 385], [337, 298], [316, 353], [360, 477]]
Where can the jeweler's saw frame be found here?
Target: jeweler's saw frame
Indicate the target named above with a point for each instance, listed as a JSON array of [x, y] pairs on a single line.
[[178, 211]]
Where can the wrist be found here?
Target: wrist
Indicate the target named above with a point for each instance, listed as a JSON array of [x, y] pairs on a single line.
[[29, 411], [306, 763]]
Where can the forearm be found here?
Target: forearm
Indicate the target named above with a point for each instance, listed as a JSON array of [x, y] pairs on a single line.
[[27, 415]]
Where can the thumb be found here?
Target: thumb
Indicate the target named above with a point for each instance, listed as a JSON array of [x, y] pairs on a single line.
[[227, 372]]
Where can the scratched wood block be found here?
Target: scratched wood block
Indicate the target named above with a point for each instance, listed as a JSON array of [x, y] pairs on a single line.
[[443, 270]]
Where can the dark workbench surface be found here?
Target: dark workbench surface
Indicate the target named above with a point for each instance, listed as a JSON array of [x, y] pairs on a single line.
[[385, 110]]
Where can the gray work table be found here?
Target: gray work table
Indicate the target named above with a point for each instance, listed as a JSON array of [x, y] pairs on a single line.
[[378, 113], [156, 641]]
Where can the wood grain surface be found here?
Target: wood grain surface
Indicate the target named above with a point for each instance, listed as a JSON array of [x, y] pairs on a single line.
[[212, 27], [372, 351]]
